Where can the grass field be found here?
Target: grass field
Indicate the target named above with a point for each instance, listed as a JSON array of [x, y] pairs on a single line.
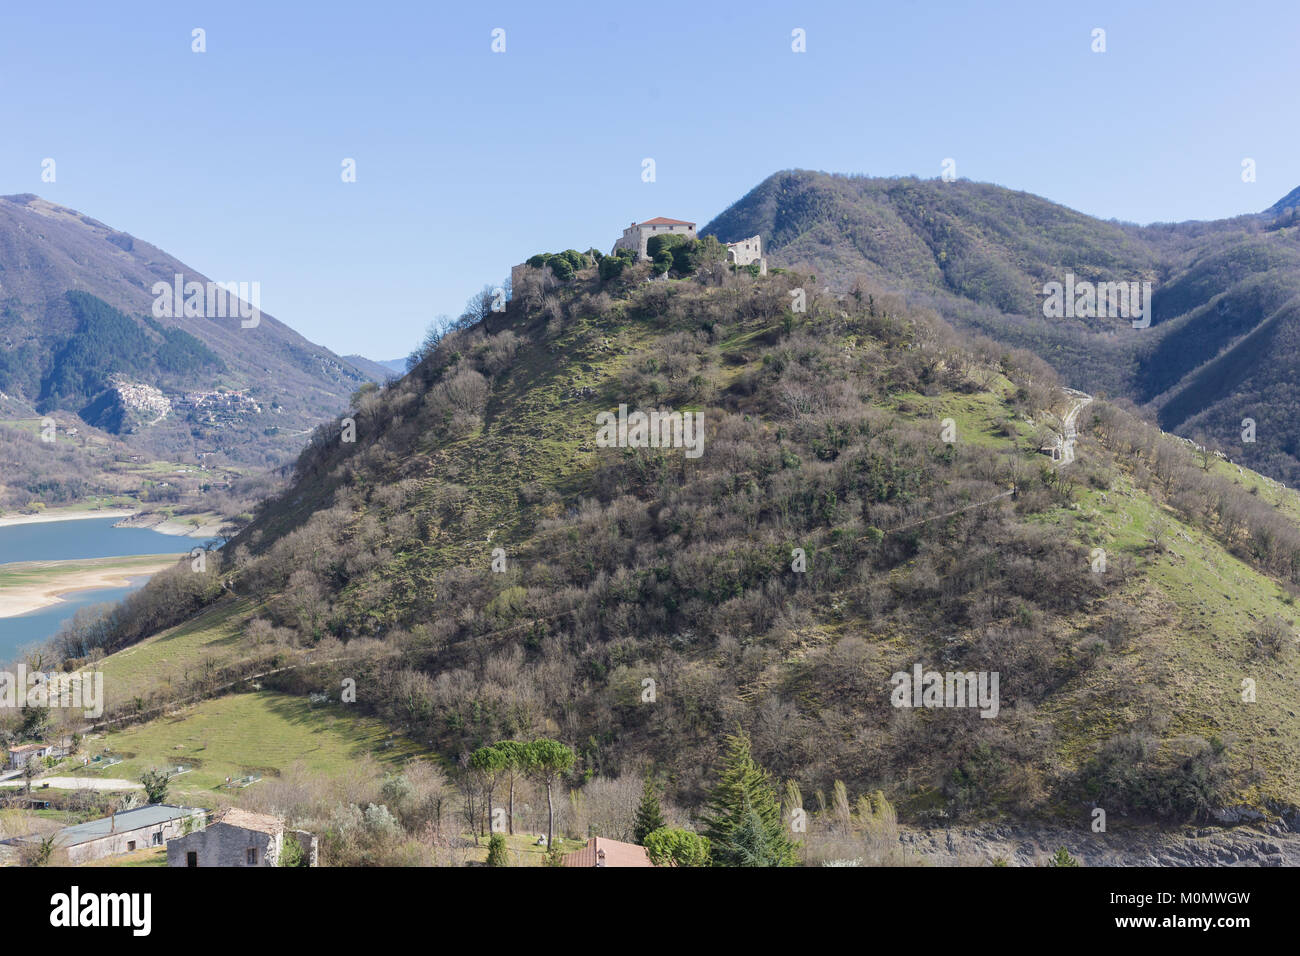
[[168, 659], [522, 849], [241, 734]]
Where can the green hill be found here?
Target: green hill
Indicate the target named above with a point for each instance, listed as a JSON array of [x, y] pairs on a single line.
[[870, 496]]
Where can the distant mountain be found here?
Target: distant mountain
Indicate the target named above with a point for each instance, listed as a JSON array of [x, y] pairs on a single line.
[[1224, 340], [396, 365], [79, 335], [377, 371]]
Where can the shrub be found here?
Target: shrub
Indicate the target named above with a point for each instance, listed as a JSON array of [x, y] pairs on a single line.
[[669, 846], [497, 853]]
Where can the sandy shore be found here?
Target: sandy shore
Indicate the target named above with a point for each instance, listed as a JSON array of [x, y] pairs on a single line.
[[209, 527], [70, 514], [181, 527], [23, 598]]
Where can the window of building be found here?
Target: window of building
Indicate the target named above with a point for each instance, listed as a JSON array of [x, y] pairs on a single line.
[[130, 845], [157, 838], [252, 856], [192, 858]]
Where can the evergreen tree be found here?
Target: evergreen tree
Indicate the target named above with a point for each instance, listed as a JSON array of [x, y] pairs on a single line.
[[497, 855], [743, 818], [649, 816]]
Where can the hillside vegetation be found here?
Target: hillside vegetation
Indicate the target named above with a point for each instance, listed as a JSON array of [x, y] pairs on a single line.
[[870, 497], [1222, 345]]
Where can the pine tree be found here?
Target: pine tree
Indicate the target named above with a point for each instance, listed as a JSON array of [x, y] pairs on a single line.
[[649, 816], [743, 817]]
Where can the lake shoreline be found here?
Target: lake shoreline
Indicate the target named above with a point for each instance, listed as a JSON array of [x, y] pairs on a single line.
[[127, 518], [26, 598]]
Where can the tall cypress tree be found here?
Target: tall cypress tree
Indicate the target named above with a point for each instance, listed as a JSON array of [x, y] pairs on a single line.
[[649, 816], [743, 816]]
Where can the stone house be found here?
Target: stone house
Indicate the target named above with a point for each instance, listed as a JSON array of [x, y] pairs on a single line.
[[637, 235], [239, 838], [20, 755]]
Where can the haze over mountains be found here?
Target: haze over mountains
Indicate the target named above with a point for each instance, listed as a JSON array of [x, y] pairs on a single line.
[[1224, 339], [78, 336]]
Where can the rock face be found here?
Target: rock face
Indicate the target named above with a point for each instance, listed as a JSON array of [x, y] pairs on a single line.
[[1273, 844]]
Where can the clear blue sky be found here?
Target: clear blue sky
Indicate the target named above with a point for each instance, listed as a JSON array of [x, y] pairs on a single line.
[[469, 161]]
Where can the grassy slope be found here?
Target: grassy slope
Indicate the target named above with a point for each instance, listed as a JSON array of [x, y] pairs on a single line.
[[253, 733]]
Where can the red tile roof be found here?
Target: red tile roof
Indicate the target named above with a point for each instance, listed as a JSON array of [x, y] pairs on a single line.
[[602, 852], [661, 221]]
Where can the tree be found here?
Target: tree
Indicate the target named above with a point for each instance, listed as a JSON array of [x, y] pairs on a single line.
[[155, 785], [742, 817], [497, 855], [669, 846], [1062, 858], [490, 762], [291, 854], [515, 764], [649, 816], [547, 761]]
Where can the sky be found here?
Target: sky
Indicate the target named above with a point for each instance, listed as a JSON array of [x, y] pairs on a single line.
[[470, 160]]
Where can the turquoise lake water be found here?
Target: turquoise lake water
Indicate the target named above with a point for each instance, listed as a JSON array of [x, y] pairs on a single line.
[[67, 541]]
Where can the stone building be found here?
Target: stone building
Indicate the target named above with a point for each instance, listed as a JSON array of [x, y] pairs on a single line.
[[239, 838], [126, 832], [638, 234], [21, 754], [747, 252]]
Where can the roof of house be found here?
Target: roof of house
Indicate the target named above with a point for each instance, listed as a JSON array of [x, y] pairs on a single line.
[[661, 221], [23, 748], [247, 820], [602, 852], [137, 819]]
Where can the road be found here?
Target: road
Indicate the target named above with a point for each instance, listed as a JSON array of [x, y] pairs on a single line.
[[1070, 434]]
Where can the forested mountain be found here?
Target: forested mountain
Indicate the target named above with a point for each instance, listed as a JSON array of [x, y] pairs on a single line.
[[869, 497], [1223, 343], [79, 336]]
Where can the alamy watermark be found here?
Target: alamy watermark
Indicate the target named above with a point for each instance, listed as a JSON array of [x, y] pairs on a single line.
[[1090, 300], [923, 688], [654, 429], [26, 688], [208, 300]]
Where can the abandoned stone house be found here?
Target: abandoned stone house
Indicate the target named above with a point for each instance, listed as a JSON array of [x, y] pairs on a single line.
[[239, 838], [747, 252]]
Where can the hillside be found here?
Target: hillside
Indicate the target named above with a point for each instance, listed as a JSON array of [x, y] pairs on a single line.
[[1222, 345], [869, 497], [79, 336]]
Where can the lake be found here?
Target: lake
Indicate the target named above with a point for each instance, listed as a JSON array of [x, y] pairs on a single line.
[[67, 541]]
